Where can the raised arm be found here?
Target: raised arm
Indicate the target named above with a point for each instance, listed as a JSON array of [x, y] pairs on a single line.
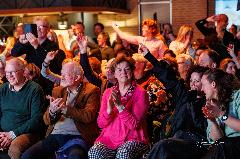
[[131, 39], [46, 72], [201, 25], [88, 72]]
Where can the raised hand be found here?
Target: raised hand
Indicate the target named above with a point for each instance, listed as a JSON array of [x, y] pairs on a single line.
[[82, 43], [50, 56], [23, 39], [143, 49], [32, 40], [212, 18], [115, 26]]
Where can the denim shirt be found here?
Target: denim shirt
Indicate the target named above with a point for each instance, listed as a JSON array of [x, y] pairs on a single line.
[[234, 111]]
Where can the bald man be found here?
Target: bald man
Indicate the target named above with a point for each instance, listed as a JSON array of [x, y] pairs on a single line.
[[21, 110]]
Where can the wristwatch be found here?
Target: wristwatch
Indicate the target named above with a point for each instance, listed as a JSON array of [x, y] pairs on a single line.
[[224, 117]]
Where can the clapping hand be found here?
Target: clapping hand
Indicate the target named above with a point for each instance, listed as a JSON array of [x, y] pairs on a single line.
[[212, 110], [5, 140], [56, 105]]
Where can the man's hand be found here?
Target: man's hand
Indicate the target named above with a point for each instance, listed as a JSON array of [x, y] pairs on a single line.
[[23, 39], [32, 40], [56, 105], [212, 18], [5, 140], [50, 56]]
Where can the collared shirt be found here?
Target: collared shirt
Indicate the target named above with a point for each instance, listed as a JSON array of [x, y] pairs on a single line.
[[67, 125]]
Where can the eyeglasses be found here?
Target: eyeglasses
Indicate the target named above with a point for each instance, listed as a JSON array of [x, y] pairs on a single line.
[[41, 26], [13, 72]]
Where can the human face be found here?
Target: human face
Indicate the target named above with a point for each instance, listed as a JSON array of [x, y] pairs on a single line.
[[101, 40], [27, 74], [231, 68], [204, 60], [182, 67], [68, 78], [197, 54], [14, 75], [146, 31], [123, 73], [208, 88], [97, 30], [42, 29], [78, 29], [195, 82]]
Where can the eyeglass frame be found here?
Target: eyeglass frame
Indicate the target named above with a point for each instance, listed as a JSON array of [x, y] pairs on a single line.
[[13, 72]]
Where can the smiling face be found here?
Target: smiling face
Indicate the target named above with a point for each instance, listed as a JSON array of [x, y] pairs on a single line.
[[14, 73], [209, 88], [123, 73], [42, 28], [146, 31], [231, 68], [195, 81]]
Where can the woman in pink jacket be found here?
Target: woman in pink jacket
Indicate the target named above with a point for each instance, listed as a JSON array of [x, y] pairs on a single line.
[[122, 116]]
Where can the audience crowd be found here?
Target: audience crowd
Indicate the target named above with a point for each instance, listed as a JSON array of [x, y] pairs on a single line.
[[154, 96]]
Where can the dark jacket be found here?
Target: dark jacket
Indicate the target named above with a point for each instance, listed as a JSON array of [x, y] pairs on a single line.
[[187, 115], [211, 39], [37, 57]]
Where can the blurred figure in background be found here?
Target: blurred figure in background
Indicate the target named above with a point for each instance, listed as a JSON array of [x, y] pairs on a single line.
[[182, 44]]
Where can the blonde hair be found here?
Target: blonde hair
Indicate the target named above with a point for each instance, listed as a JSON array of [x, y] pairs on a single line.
[[183, 31], [139, 58], [41, 18]]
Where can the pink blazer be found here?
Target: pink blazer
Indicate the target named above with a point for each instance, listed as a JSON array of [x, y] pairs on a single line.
[[130, 124]]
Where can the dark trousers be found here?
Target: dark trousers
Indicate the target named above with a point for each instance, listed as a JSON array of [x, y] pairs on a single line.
[[184, 145], [224, 148], [46, 148]]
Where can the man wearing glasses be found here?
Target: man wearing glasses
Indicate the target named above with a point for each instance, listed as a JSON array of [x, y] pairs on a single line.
[[21, 111], [36, 49]]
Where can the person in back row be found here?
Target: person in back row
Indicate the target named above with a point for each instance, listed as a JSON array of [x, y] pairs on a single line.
[[36, 49], [149, 32]]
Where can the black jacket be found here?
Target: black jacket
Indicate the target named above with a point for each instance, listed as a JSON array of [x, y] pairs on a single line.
[[211, 39], [187, 115]]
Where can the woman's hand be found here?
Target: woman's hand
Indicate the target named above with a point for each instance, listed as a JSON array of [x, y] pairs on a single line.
[[143, 49], [110, 105], [50, 56], [82, 43], [115, 26], [116, 96], [212, 110]]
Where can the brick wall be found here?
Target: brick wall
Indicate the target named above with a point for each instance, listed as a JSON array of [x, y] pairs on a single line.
[[183, 12], [127, 22], [211, 7], [188, 12]]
